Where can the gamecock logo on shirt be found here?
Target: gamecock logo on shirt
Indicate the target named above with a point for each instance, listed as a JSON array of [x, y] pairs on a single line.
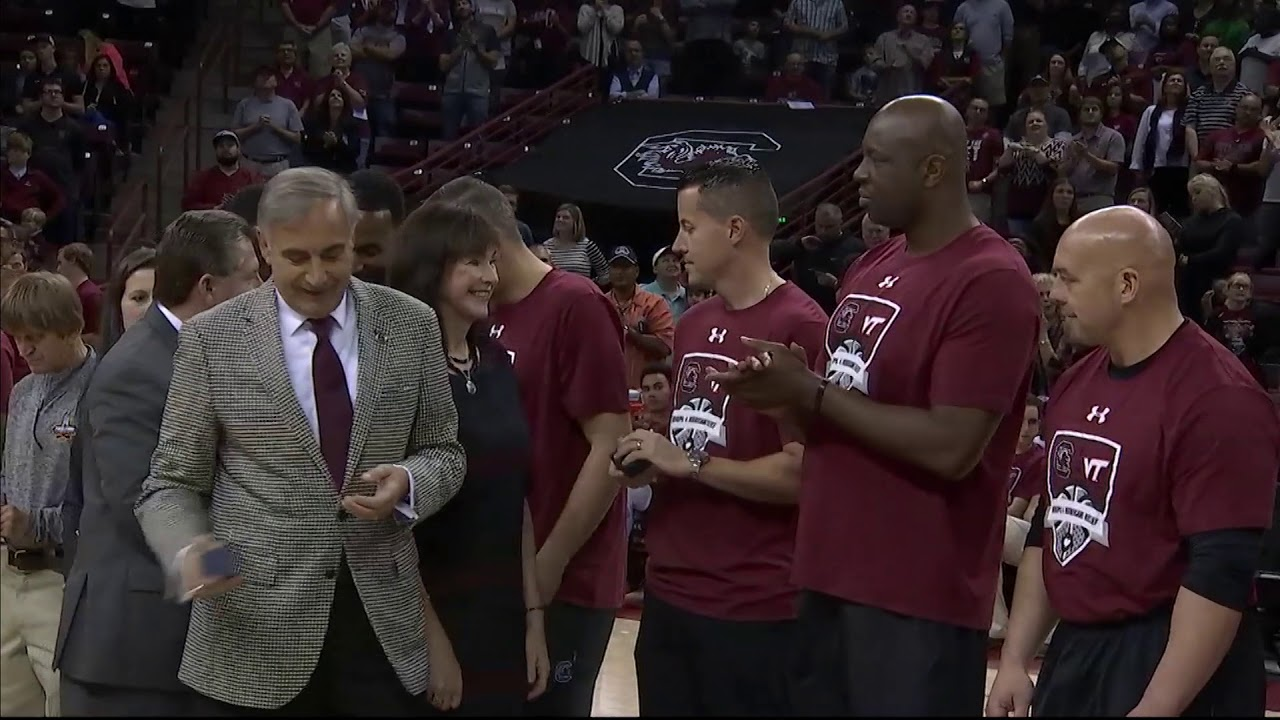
[[1080, 489], [699, 415], [659, 161], [857, 326]]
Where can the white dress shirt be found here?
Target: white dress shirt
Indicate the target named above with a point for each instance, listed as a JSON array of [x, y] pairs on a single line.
[[174, 320]]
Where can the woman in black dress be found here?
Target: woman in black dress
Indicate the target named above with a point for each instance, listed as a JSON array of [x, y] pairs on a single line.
[[484, 615], [1208, 243]]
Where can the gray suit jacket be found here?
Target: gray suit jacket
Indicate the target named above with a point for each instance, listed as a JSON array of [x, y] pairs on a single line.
[[237, 458], [117, 629]]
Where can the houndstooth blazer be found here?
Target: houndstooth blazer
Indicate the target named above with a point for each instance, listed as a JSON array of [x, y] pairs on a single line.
[[236, 457]]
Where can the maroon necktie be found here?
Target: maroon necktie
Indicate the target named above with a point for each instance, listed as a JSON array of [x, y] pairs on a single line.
[[333, 402]]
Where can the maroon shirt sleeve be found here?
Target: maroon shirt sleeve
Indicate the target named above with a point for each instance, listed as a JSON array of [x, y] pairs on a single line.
[[1224, 461], [593, 368], [987, 344], [195, 198], [6, 374], [1031, 482], [49, 193], [91, 303]]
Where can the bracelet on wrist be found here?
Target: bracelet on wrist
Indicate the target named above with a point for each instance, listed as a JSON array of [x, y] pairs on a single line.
[[818, 395], [538, 608]]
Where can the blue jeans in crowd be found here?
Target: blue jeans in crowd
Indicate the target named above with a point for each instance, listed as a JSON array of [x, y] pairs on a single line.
[[459, 109]]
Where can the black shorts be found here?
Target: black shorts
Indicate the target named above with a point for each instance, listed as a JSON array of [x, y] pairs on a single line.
[[1103, 670], [694, 666], [577, 638], [857, 660]]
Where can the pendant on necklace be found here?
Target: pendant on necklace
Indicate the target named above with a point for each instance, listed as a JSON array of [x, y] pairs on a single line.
[[471, 387]]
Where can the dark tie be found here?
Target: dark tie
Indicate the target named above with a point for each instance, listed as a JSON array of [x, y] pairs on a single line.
[[333, 402]]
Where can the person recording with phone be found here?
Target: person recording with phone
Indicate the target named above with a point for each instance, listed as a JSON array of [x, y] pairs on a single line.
[[472, 51]]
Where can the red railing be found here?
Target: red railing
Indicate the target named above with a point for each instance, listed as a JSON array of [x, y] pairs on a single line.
[[505, 137], [834, 185], [142, 199]]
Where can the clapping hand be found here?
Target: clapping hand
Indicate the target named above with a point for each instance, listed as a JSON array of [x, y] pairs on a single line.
[[15, 526], [391, 486], [770, 379]]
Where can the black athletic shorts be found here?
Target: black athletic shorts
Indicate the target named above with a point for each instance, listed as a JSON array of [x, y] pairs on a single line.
[[691, 665], [857, 660], [1103, 670]]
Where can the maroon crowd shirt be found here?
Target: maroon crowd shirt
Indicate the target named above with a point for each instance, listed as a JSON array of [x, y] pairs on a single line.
[[986, 145], [956, 327], [1140, 458], [1026, 474], [90, 295], [1239, 147], [712, 553], [565, 341]]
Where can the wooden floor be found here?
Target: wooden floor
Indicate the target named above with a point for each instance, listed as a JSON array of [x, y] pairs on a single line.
[[616, 688]]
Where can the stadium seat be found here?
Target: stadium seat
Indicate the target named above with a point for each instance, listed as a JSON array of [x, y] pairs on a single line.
[[419, 96], [420, 122], [397, 152]]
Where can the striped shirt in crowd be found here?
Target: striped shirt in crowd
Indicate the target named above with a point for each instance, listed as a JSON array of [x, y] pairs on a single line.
[[823, 16], [583, 258], [1208, 110]]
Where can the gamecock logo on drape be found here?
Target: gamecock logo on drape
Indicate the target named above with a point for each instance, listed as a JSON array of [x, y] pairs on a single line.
[[659, 161]]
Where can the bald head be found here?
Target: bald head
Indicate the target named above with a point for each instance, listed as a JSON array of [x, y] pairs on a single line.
[[1123, 236], [931, 124]]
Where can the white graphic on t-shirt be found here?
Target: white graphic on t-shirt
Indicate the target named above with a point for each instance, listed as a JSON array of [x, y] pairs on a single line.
[[888, 282], [1015, 474], [717, 335], [699, 415], [1098, 414], [512, 354], [857, 327], [1080, 482], [495, 331]]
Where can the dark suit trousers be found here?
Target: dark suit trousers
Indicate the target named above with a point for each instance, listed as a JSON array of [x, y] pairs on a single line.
[[93, 700], [352, 677]]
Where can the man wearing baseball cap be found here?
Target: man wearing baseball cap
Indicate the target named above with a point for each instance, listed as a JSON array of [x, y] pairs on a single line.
[[666, 283], [212, 186], [646, 319], [47, 68], [1038, 98]]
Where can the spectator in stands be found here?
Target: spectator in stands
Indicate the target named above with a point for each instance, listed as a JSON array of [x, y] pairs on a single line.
[[1093, 159], [985, 148], [380, 201], [69, 96], [863, 83], [570, 248], [1063, 90], [1235, 156], [1032, 163], [1140, 197], [658, 38], [292, 82], [332, 135], [637, 80], [268, 126], [1133, 81], [1200, 72], [901, 56], [107, 101], [513, 199], [541, 252], [500, 15], [1117, 117], [1169, 52], [60, 151], [698, 293], [1227, 21], [1262, 50], [471, 51], [376, 47], [956, 67], [990, 25], [31, 230], [753, 55], [600, 22], [1208, 243], [1066, 24], [1147, 19], [817, 25], [245, 205], [1269, 214], [75, 263], [128, 295], [646, 319], [793, 84], [1160, 147], [931, 23], [540, 54], [667, 282], [1061, 208], [212, 187], [1246, 328], [23, 186], [1213, 106], [655, 393], [873, 233], [307, 23], [13, 82], [707, 65], [1094, 62], [1039, 99], [818, 261], [352, 84]]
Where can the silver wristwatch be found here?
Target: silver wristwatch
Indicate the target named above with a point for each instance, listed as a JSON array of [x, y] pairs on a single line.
[[697, 458]]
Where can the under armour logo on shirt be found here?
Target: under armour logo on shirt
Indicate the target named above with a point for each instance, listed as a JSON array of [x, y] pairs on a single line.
[[1098, 414], [717, 335], [888, 282], [495, 332]]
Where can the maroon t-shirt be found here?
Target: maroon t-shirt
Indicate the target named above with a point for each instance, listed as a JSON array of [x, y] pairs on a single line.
[[17, 364], [956, 327], [296, 86], [308, 12], [565, 341], [7, 354], [712, 553], [91, 304], [1026, 474], [1140, 458], [985, 148], [1239, 147], [212, 187]]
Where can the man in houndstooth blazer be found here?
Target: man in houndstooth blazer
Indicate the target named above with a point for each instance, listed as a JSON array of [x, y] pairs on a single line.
[[240, 458]]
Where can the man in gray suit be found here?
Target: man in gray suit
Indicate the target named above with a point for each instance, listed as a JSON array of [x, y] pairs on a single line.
[[119, 640], [308, 425]]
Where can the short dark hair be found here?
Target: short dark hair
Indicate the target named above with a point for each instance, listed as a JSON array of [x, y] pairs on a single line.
[[112, 323], [198, 243], [376, 191], [1035, 402], [433, 238], [657, 368], [484, 199], [245, 202], [735, 186]]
